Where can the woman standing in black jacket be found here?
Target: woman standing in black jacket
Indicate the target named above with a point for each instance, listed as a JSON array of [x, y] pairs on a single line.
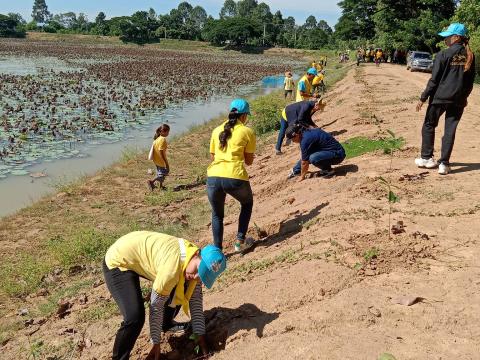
[[447, 91]]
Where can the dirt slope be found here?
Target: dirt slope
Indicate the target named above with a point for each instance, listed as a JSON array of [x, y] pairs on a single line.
[[325, 308], [323, 280]]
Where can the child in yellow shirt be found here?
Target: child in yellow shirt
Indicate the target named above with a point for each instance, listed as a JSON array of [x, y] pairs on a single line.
[[158, 153]]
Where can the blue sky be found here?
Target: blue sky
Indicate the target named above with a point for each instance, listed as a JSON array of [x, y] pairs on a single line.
[[299, 9]]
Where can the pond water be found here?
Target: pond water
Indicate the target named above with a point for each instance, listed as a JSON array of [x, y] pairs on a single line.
[[17, 191]]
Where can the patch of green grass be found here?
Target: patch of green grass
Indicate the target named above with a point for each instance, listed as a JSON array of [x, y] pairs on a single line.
[[361, 145], [102, 311], [23, 275], [66, 184], [86, 245], [50, 305], [130, 153]]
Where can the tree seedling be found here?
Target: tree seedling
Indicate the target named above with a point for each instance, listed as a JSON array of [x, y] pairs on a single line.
[[392, 144], [194, 338], [392, 199]]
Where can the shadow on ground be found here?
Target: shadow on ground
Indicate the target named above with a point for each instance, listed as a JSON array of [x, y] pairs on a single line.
[[222, 324], [286, 229], [464, 167]]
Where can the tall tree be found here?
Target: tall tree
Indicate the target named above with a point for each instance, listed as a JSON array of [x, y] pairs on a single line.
[[356, 20], [245, 8], [229, 9], [323, 25], [40, 11], [310, 23]]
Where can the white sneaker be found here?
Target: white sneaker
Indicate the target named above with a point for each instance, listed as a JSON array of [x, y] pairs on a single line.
[[241, 246], [423, 163], [443, 169]]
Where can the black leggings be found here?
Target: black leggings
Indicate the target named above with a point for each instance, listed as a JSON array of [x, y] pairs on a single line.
[[125, 289]]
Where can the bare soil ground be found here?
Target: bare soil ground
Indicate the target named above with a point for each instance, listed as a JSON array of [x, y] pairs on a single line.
[[325, 279]]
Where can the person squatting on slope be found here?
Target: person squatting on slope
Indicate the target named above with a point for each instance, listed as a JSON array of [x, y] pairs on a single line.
[[158, 153], [177, 269], [318, 148], [305, 86], [232, 145], [299, 112], [451, 83]]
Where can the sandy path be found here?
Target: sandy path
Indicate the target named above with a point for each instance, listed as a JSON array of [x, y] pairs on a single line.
[[323, 308]]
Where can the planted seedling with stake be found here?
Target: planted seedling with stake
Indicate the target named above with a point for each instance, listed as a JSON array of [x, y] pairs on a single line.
[[392, 199]]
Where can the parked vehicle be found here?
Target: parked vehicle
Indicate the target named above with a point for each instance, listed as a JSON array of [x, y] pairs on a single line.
[[419, 61]]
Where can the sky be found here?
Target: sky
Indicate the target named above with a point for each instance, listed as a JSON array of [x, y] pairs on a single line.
[[323, 9]]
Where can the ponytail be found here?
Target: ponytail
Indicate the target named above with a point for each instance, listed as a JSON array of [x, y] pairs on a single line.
[[160, 129], [470, 55], [233, 116]]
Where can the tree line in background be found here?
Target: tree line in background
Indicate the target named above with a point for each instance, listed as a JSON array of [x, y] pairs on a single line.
[[390, 24]]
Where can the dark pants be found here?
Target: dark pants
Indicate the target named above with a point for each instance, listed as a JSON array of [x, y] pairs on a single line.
[[322, 159], [125, 289], [281, 134], [240, 190], [452, 117]]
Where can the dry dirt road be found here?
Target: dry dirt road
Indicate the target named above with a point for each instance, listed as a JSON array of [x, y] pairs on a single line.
[[312, 302], [324, 280]]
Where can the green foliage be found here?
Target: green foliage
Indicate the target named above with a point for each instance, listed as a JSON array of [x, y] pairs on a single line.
[[10, 26], [236, 31], [266, 112], [86, 245], [370, 254], [140, 29], [40, 12]]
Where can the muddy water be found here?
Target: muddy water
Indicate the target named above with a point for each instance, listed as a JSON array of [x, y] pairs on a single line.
[[17, 192]]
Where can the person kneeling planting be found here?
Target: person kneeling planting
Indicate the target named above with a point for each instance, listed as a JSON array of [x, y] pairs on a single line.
[[318, 148], [175, 266]]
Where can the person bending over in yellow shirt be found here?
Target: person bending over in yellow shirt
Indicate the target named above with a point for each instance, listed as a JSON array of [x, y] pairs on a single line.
[[232, 145], [158, 153], [177, 269]]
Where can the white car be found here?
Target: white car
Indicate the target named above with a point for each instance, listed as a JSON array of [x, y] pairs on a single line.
[[419, 61]]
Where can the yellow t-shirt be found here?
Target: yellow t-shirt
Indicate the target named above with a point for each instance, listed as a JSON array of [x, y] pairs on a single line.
[[307, 88], [317, 79], [230, 162], [159, 144], [284, 114], [289, 83], [152, 255]]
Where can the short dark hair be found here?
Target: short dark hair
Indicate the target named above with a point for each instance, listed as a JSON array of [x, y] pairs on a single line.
[[293, 130]]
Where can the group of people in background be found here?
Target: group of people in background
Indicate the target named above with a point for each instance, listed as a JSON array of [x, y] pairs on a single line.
[[177, 268], [379, 55]]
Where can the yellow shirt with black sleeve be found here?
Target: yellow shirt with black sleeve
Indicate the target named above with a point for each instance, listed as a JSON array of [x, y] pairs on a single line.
[[230, 161], [159, 145], [153, 256]]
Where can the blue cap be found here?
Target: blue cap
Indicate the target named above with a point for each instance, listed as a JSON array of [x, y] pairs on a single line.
[[213, 263], [312, 71], [241, 106], [454, 29]]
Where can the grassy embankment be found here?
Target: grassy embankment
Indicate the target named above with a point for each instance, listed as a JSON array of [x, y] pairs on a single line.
[[44, 243]]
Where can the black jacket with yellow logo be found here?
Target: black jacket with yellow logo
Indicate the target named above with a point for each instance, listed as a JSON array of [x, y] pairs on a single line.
[[449, 83]]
